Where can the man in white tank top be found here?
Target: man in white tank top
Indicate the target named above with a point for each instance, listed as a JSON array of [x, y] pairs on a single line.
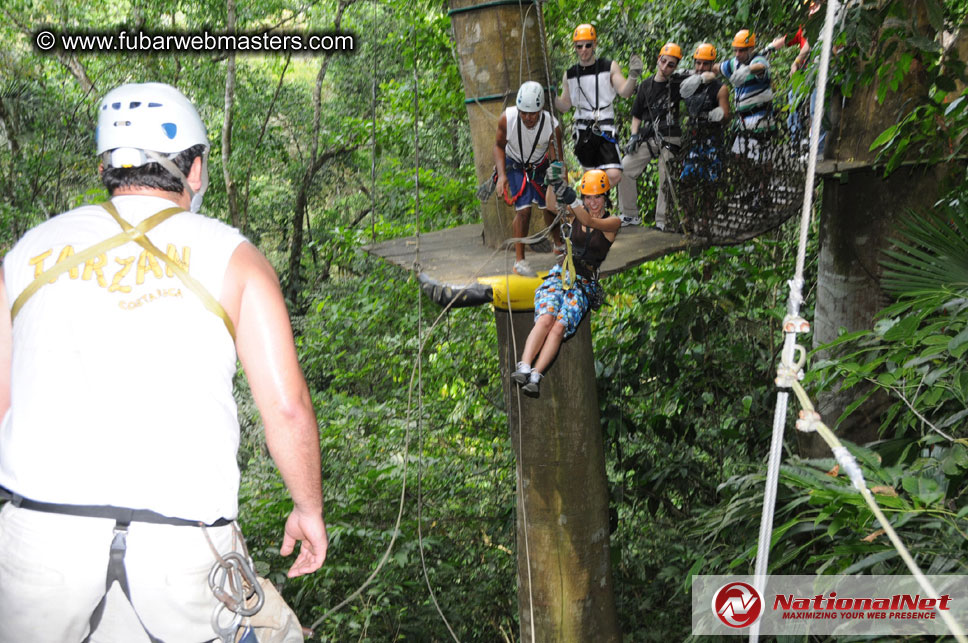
[[590, 86], [119, 330], [523, 150]]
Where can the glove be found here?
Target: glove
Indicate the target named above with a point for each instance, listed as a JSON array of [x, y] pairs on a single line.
[[769, 49], [740, 75], [715, 115], [635, 67], [690, 86], [555, 173], [708, 77], [633, 144], [566, 194]]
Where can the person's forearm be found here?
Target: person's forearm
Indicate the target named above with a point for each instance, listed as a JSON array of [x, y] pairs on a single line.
[[293, 440], [500, 160]]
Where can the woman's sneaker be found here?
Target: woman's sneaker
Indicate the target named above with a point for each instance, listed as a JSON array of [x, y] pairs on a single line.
[[532, 388], [522, 375]]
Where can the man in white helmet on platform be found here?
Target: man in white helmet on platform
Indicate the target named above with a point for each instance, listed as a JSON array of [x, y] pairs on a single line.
[[523, 151], [120, 325]]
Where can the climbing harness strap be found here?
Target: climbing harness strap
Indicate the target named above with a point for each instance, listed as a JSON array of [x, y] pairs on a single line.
[[193, 284], [118, 514], [528, 171], [50, 275], [534, 143], [232, 578], [129, 233], [123, 517], [117, 572]]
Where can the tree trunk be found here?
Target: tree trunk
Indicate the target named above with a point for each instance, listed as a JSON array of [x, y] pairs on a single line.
[[494, 60], [230, 189], [564, 572]]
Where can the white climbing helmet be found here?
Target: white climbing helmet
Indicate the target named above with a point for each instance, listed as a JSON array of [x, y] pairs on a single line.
[[530, 97], [150, 122]]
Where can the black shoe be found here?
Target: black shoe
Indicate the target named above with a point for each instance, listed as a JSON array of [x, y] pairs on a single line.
[[531, 389]]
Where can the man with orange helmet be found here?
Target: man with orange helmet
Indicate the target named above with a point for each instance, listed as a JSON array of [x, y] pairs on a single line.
[[591, 86], [707, 108], [749, 74], [656, 134]]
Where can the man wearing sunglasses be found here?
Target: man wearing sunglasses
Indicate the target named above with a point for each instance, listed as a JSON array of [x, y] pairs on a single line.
[[590, 86], [656, 134]]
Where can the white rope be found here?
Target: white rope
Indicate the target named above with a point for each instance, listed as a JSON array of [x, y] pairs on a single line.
[[793, 310], [419, 363]]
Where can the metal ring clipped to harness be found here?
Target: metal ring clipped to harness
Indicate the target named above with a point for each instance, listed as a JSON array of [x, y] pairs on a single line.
[[234, 582]]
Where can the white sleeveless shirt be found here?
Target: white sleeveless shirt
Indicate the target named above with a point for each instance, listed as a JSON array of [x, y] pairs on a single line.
[[591, 92], [121, 380], [534, 141]]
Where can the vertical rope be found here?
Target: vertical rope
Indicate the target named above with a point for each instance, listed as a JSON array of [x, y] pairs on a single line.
[[416, 267], [793, 310]]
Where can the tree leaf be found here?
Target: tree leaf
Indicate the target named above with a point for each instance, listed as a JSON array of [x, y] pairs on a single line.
[[884, 137]]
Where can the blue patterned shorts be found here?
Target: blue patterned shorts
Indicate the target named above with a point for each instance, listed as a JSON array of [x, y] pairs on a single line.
[[567, 306]]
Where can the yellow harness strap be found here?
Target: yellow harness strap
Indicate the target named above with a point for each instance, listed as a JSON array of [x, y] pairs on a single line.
[[129, 233]]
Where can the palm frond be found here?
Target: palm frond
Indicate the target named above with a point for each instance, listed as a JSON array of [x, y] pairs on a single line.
[[929, 260]]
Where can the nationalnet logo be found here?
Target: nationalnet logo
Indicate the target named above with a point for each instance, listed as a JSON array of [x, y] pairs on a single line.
[[898, 606], [737, 604], [875, 605]]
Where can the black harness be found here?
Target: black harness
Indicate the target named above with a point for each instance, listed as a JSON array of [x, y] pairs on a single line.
[[123, 517]]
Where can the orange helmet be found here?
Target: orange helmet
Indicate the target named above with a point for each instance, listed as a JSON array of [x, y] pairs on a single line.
[[744, 38], [594, 182], [671, 49], [584, 32], [705, 51]]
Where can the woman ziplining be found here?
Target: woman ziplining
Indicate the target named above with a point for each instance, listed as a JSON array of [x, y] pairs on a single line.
[[571, 288]]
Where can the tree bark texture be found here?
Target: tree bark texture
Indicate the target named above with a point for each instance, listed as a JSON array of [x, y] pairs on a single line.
[[498, 47], [564, 573], [231, 190]]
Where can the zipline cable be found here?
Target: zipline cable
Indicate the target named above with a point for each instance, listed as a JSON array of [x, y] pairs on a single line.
[[789, 372]]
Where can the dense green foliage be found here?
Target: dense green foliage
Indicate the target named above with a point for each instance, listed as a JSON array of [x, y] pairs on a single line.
[[685, 349]]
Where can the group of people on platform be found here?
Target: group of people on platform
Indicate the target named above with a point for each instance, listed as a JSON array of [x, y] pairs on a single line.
[[528, 151]]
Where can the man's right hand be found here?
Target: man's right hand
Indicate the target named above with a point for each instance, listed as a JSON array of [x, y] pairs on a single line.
[[634, 141], [501, 187]]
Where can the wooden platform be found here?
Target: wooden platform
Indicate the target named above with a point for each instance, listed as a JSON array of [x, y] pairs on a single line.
[[458, 256]]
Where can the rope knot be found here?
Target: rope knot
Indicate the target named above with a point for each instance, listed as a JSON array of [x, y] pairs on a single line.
[[786, 375], [809, 421], [795, 324]]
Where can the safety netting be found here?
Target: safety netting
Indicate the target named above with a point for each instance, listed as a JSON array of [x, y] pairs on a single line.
[[729, 184]]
